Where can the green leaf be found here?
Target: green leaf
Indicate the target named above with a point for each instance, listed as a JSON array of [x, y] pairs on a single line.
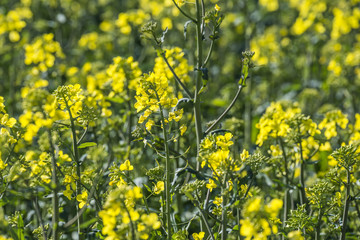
[[88, 223], [147, 187], [115, 99], [20, 228], [87, 144]]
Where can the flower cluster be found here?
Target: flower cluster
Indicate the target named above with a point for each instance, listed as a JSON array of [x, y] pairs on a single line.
[[13, 22], [124, 219], [216, 155], [331, 121], [43, 52], [273, 123], [123, 74], [151, 94], [260, 219], [6, 122]]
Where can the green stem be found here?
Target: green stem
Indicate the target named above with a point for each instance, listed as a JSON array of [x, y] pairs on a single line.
[[209, 53], [226, 110], [303, 198], [184, 13], [203, 216], [199, 51], [54, 186], [76, 156], [132, 228], [38, 214], [317, 234], [178, 80], [286, 197], [346, 207], [167, 172], [223, 214]]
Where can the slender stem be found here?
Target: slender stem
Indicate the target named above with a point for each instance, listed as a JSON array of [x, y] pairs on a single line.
[[92, 192], [209, 53], [178, 80], [197, 108], [132, 228], [286, 197], [248, 189], [184, 13], [167, 172], [317, 234], [55, 185], [303, 198], [82, 136], [248, 116], [82, 210], [38, 214], [346, 207], [226, 110], [205, 221], [223, 214], [76, 156]]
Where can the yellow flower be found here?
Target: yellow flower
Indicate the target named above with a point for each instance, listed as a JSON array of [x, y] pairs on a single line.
[[68, 192], [45, 178], [254, 205], [64, 157], [274, 207], [151, 220], [295, 235], [82, 198], [6, 121], [2, 164], [211, 185], [149, 124], [183, 129], [126, 166], [207, 143], [159, 187], [270, 5], [198, 236], [218, 201], [244, 155], [134, 193], [247, 228], [217, 8]]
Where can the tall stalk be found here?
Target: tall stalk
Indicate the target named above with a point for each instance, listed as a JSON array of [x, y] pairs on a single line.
[[286, 182], [346, 206], [223, 214], [318, 224], [167, 172], [77, 161], [54, 186], [303, 199], [199, 60]]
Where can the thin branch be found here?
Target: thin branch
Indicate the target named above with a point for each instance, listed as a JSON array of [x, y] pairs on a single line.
[[226, 111], [184, 13], [205, 221], [176, 76], [209, 53], [92, 191], [38, 214], [82, 136], [82, 210]]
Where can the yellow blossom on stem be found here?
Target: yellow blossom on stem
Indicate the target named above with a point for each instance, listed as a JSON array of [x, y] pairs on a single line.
[[198, 236], [211, 185], [159, 187], [82, 198], [126, 166]]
